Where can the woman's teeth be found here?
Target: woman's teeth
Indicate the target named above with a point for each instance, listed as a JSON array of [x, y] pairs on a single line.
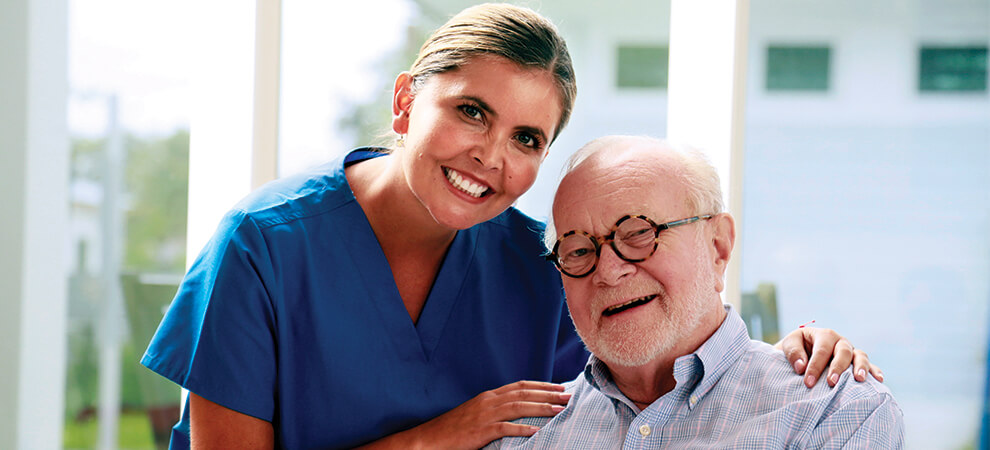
[[467, 186]]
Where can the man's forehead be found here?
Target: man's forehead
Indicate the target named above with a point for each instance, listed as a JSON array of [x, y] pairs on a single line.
[[611, 184]]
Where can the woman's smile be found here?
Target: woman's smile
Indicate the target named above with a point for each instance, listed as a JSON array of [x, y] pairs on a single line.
[[465, 184]]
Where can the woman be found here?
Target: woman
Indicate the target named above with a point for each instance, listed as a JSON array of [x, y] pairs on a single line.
[[364, 301]]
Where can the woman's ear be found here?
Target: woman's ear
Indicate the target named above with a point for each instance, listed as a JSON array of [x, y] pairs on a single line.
[[402, 99], [723, 239]]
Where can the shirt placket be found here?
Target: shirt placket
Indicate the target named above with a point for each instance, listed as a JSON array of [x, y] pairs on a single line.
[[646, 430]]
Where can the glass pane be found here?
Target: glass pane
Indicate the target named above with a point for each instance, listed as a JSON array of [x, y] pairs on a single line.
[[336, 77], [868, 210], [797, 68], [641, 66], [953, 69], [129, 121]]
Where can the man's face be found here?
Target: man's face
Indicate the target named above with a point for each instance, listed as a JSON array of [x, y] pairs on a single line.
[[670, 291]]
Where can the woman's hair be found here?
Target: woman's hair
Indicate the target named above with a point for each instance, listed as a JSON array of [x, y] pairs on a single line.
[[516, 33]]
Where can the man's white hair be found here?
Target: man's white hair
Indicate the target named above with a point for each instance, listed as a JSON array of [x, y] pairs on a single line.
[[695, 171]]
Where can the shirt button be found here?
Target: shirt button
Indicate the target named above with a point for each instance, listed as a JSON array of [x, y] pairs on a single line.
[[693, 400], [644, 430]]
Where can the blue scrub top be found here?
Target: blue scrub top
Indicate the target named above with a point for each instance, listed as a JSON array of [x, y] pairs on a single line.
[[290, 314]]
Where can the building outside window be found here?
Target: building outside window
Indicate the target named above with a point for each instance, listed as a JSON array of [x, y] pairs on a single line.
[[952, 69], [798, 68], [641, 66]]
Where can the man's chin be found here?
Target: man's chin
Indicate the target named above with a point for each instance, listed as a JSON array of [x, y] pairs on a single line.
[[619, 349], [630, 358]]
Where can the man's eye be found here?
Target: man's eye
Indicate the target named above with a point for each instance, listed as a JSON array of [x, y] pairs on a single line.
[[638, 238], [579, 253]]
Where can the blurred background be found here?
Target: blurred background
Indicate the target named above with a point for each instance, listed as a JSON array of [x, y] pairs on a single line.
[[865, 198]]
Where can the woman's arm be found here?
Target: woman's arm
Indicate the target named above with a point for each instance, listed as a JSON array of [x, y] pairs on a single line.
[[216, 427]]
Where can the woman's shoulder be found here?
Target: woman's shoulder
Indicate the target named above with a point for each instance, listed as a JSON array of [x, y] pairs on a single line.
[[515, 220], [312, 192], [518, 225], [521, 231]]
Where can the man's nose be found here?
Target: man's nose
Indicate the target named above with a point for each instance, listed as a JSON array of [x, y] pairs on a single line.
[[612, 269]]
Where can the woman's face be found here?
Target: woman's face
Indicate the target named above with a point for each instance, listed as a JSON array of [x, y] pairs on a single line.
[[475, 137]]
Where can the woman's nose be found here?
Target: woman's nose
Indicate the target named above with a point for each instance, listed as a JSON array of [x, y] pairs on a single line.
[[488, 155]]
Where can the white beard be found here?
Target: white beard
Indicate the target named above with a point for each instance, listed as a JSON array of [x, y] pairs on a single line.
[[633, 343]]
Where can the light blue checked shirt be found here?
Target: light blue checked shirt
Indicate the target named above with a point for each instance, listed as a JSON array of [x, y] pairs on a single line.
[[732, 392]]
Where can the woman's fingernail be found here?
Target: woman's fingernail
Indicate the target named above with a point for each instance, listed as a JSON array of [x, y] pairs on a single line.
[[565, 397], [861, 374], [799, 365], [557, 408], [880, 377], [534, 429], [809, 380], [833, 378]]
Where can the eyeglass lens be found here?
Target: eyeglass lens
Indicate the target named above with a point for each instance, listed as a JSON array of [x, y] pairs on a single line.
[[634, 240]]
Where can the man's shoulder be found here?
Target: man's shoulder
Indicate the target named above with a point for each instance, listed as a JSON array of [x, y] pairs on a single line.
[[778, 386], [760, 398], [763, 362]]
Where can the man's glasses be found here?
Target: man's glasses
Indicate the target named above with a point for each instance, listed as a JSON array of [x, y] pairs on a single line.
[[634, 239]]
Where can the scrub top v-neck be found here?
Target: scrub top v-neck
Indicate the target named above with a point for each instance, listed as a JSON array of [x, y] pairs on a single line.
[[291, 315]]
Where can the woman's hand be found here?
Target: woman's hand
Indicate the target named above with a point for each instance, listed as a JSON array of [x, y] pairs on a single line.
[[484, 418], [824, 343]]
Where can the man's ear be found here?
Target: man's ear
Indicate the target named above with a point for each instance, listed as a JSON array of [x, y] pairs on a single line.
[[723, 239], [402, 99]]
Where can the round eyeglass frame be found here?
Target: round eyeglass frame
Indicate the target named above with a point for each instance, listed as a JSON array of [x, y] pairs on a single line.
[[610, 239]]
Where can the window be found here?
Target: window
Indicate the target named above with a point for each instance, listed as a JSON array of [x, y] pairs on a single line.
[[642, 66], [878, 203], [128, 121], [794, 68], [953, 69]]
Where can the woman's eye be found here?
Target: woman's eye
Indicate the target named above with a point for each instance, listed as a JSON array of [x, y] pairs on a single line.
[[529, 141], [471, 111]]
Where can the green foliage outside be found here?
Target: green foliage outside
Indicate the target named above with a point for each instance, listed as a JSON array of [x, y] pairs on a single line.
[[133, 432], [157, 178], [155, 201], [370, 121]]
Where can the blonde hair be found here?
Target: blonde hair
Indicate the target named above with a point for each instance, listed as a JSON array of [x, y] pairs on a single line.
[[516, 33]]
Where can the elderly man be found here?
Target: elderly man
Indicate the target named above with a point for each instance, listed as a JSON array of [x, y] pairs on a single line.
[[643, 246]]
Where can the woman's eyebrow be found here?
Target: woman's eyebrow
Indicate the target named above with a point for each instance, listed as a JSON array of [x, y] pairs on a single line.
[[480, 103]]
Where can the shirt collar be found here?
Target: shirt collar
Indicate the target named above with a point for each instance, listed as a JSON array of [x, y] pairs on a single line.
[[708, 363], [720, 351]]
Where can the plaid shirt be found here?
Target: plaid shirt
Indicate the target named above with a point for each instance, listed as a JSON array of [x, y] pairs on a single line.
[[732, 392]]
